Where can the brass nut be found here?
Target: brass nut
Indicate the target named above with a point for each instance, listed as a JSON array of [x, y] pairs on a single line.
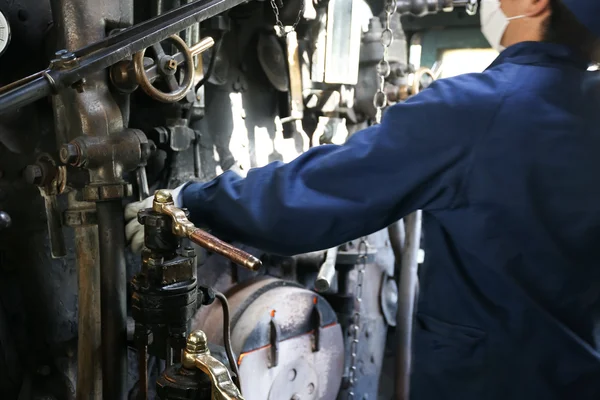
[[70, 154], [196, 342], [163, 196]]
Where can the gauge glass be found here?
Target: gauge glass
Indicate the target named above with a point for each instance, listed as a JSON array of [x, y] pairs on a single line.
[[4, 32]]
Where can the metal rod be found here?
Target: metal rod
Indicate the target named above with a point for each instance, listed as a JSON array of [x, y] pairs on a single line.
[[407, 297], [197, 156], [21, 81], [142, 183], [397, 236], [89, 361], [26, 94], [113, 291], [202, 46]]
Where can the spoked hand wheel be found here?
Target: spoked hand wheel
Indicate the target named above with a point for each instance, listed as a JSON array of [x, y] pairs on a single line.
[[173, 72]]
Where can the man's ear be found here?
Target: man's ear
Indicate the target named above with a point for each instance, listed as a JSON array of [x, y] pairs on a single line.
[[536, 8]]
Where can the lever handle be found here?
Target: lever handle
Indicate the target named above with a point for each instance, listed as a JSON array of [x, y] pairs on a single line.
[[327, 271], [182, 227], [216, 245], [197, 355], [202, 46]]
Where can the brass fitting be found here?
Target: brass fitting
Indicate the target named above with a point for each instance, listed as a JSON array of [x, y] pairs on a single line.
[[197, 355]]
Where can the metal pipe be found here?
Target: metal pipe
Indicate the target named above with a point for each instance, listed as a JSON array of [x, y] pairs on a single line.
[[113, 289], [142, 183], [407, 297], [197, 156], [26, 94], [397, 236]]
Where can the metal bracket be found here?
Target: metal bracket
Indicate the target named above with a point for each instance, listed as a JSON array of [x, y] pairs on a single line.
[[316, 321], [274, 335]]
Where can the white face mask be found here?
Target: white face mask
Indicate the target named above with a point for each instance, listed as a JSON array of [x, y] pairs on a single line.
[[494, 22]]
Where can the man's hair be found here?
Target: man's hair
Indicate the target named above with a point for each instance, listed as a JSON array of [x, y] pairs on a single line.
[[563, 28]]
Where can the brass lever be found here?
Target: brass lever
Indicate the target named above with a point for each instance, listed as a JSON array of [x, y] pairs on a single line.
[[197, 355], [182, 227]]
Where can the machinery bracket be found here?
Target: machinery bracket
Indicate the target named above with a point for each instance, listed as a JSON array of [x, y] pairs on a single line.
[[274, 335]]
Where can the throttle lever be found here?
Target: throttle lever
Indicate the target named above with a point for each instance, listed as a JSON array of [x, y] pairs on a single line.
[[182, 227]]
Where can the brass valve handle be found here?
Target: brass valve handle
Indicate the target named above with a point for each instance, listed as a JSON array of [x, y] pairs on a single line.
[[166, 66], [182, 227], [197, 355]]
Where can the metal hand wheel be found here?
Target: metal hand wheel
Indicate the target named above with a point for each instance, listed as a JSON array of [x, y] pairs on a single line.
[[166, 68]]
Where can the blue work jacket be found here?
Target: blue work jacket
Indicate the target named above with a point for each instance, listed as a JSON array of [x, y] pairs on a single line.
[[505, 165]]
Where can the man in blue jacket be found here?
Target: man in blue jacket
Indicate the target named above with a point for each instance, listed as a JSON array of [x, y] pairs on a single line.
[[506, 168]]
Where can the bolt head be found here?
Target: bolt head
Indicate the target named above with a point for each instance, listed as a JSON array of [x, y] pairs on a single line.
[[70, 154], [67, 56]]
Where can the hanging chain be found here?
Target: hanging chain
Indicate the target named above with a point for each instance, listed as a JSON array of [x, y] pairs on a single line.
[[383, 68], [280, 27], [355, 327]]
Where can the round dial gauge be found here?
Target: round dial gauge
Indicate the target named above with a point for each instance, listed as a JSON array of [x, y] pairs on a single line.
[[4, 33]]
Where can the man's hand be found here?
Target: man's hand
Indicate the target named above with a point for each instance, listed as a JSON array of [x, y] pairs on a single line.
[[134, 231]]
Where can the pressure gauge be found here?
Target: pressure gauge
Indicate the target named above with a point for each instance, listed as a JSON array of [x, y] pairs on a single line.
[[4, 33]]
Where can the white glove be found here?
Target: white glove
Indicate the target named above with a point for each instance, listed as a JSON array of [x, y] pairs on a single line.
[[134, 231]]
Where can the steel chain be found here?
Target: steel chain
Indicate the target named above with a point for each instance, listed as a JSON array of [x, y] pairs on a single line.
[[383, 68], [356, 327], [280, 27]]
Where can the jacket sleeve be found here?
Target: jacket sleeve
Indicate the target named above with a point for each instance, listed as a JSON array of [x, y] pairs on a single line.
[[417, 158]]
